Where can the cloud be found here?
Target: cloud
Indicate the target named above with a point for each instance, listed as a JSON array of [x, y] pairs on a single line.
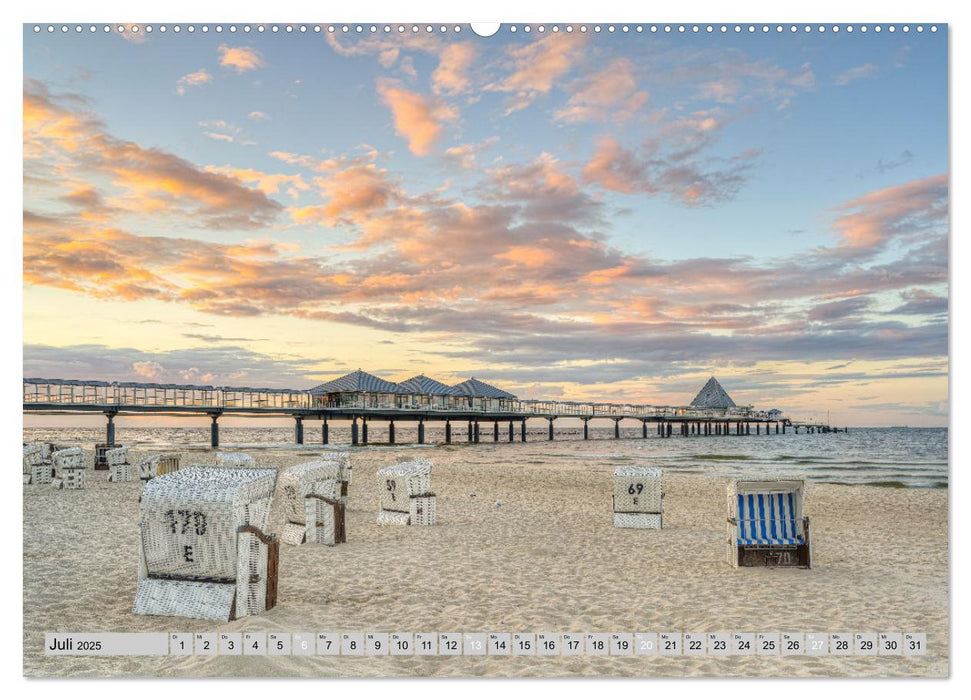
[[212, 364], [871, 221], [534, 68], [609, 94], [451, 75], [268, 183], [679, 175], [920, 302], [856, 73], [148, 369], [417, 119], [72, 144], [200, 77], [903, 159], [240, 58], [259, 116], [464, 155]]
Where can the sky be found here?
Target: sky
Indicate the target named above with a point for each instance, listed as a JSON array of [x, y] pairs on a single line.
[[570, 215]]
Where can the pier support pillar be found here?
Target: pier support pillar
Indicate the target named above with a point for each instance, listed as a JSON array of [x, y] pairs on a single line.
[[644, 429], [324, 433], [783, 428], [354, 431], [586, 429], [470, 431], [776, 428], [421, 432], [391, 431], [758, 429], [448, 431], [551, 428], [476, 433], [495, 432], [616, 430], [298, 430], [522, 430], [669, 430], [213, 430], [364, 431], [511, 432], [110, 431]]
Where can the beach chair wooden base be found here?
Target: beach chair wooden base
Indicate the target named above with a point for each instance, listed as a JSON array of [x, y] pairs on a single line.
[[71, 479], [393, 517], [422, 509], [294, 534], [421, 512], [41, 474], [100, 455], [120, 472], [325, 521], [795, 556], [218, 600], [167, 464], [641, 521]]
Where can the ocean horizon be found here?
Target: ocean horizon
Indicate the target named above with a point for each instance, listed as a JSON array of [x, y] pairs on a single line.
[[891, 457]]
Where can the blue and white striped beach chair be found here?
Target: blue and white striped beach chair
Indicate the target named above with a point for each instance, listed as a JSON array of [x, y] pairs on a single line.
[[766, 525]]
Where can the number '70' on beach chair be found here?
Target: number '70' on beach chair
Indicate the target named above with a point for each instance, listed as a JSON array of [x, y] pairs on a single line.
[[766, 525]]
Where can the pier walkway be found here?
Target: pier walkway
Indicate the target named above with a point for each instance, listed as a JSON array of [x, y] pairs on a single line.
[[67, 396]]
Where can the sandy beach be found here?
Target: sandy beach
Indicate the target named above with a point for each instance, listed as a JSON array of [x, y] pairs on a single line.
[[546, 559]]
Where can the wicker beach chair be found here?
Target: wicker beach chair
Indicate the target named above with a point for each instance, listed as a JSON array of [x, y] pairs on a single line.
[[312, 504], [167, 463], [638, 498], [343, 459], [101, 454], [406, 497], [118, 467], [234, 459], [38, 467], [148, 467], [203, 551], [156, 465], [68, 468], [766, 525]]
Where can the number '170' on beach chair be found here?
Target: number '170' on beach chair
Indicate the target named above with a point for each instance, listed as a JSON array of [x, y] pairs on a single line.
[[766, 525]]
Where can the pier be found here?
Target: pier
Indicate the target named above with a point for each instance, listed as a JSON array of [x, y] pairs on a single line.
[[475, 408]]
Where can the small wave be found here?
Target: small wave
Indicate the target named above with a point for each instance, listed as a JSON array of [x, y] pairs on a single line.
[[716, 458]]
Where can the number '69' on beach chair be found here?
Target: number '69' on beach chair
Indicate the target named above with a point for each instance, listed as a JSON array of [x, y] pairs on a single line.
[[766, 525]]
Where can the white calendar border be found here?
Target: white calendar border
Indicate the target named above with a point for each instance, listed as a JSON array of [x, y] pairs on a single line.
[[508, 10]]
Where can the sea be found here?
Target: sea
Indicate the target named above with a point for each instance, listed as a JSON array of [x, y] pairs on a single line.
[[897, 457]]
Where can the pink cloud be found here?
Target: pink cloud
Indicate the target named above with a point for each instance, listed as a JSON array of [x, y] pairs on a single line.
[[240, 58], [417, 119]]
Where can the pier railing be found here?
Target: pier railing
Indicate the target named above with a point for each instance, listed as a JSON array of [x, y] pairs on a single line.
[[70, 394]]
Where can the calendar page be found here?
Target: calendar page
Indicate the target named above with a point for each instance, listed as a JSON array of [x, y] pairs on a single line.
[[633, 335]]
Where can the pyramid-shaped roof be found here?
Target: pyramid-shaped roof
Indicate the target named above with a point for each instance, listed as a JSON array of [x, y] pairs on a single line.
[[474, 387], [713, 396], [426, 386], [358, 380]]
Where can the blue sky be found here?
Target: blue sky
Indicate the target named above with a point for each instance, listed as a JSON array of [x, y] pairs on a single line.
[[643, 209]]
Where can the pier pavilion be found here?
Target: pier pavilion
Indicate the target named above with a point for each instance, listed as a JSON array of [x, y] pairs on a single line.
[[360, 397]]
